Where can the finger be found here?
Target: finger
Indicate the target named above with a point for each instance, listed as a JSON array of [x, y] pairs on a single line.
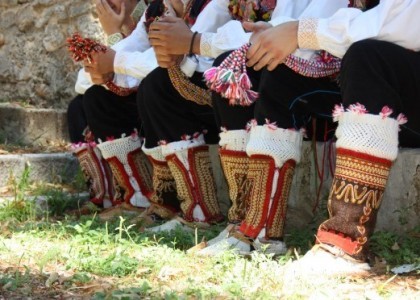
[[107, 7], [254, 54], [157, 26], [156, 34], [100, 7], [264, 61], [122, 12], [161, 50], [274, 64], [248, 26], [168, 19], [155, 43]]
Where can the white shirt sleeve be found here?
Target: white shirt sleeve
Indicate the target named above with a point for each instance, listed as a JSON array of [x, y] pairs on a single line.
[[396, 21], [83, 82], [288, 10], [134, 55]]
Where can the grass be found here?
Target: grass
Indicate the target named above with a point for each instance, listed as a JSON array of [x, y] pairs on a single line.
[[49, 254]]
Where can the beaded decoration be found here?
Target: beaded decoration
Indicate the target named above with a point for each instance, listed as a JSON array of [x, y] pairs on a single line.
[[82, 49], [187, 89], [231, 80]]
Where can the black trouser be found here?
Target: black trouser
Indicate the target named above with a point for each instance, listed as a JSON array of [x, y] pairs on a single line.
[[379, 74], [76, 119], [285, 97], [110, 115], [166, 115], [373, 73]]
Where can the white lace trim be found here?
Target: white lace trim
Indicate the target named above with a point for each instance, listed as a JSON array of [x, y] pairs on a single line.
[[368, 133], [205, 44], [155, 153], [235, 140], [307, 30], [281, 144]]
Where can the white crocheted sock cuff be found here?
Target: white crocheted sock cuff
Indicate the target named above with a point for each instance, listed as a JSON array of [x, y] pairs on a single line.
[[183, 145], [281, 144], [155, 153], [235, 140], [120, 147], [367, 133], [180, 149]]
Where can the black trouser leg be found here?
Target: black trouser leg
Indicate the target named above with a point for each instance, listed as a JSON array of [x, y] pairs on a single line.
[[110, 115], [76, 119], [377, 74], [166, 115]]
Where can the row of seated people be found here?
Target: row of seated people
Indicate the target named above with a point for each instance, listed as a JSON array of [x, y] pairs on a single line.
[[250, 76]]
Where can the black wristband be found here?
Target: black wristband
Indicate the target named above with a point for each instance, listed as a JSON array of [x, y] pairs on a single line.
[[190, 53]]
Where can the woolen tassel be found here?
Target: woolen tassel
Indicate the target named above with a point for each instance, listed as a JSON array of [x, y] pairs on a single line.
[[231, 80]]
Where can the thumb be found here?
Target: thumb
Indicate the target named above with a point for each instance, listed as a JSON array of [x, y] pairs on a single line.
[[123, 9], [169, 19], [249, 26]]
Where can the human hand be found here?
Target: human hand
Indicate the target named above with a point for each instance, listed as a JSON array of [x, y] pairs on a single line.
[[111, 21], [256, 27], [101, 63], [271, 46], [177, 7], [101, 78], [170, 36], [167, 61]]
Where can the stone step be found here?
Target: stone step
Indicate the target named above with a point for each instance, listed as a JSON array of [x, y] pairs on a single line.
[[32, 126], [48, 167]]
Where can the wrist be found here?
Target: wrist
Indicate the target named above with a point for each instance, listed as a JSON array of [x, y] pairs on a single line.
[[196, 44], [192, 42]]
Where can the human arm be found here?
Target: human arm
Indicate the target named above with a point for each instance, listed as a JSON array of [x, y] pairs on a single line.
[[395, 21], [387, 21], [172, 36]]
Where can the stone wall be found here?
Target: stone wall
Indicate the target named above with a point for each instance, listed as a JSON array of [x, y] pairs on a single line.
[[35, 67]]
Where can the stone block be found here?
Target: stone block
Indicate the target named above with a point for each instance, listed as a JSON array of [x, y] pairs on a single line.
[[50, 168], [32, 126]]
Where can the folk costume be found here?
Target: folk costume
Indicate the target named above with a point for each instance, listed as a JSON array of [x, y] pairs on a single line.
[[116, 169], [179, 124], [379, 86], [258, 156], [378, 82]]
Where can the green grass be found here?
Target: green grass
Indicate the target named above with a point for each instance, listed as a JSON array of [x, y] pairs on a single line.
[[48, 254]]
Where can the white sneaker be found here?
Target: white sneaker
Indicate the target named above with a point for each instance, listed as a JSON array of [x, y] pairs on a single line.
[[225, 244], [168, 226], [270, 246], [319, 262], [222, 235]]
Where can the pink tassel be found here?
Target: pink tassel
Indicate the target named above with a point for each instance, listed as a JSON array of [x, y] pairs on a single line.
[[337, 112], [386, 112], [231, 80]]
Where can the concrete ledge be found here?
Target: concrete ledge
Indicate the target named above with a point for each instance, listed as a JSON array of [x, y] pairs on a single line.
[[400, 205], [32, 125], [52, 167]]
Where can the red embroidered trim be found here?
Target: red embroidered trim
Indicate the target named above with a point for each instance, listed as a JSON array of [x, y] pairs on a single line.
[[277, 199], [364, 156], [339, 240], [253, 230], [188, 215], [143, 188], [232, 153], [129, 192]]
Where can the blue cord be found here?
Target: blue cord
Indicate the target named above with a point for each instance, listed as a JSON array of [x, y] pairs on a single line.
[[307, 94]]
